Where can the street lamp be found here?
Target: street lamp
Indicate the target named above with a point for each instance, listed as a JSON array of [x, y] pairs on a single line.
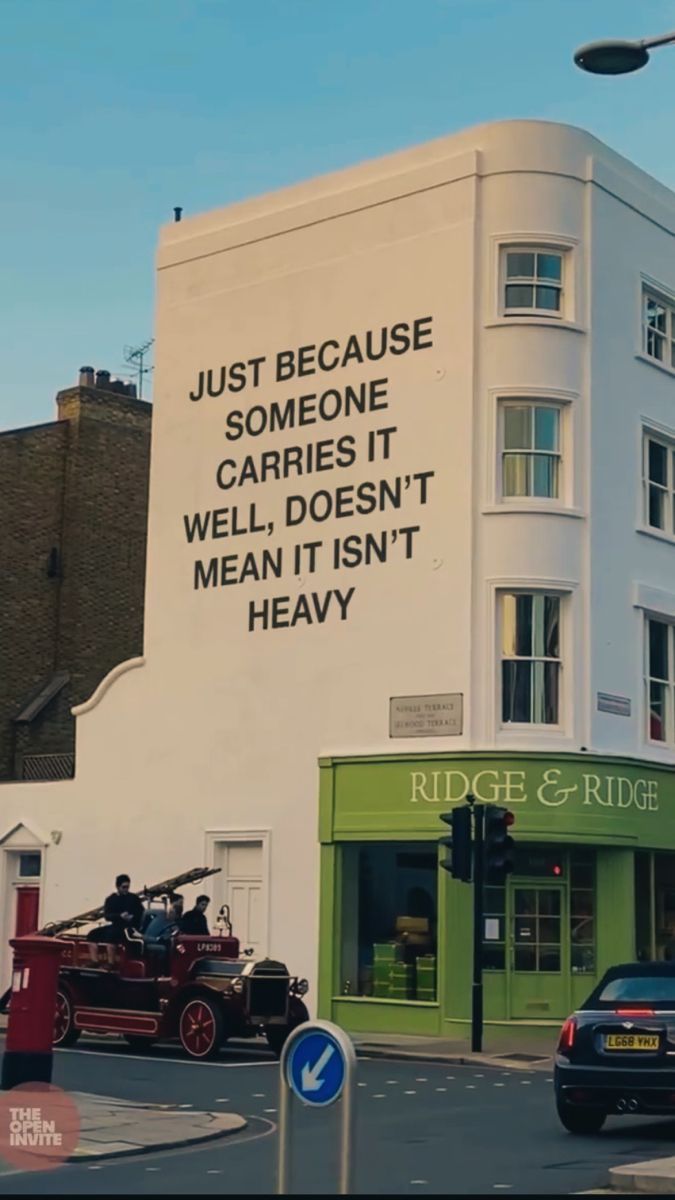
[[616, 57]]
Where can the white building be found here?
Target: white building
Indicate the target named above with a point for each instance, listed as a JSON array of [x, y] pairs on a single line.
[[414, 436]]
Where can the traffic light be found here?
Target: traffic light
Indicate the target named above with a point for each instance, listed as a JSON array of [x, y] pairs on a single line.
[[499, 845], [459, 843]]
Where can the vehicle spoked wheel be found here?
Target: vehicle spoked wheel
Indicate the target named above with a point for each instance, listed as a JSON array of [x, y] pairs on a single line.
[[200, 1027], [65, 1033]]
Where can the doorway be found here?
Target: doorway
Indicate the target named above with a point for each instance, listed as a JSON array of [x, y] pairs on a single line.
[[538, 954], [243, 885]]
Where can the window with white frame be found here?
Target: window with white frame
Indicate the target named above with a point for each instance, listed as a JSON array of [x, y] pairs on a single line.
[[660, 680], [532, 281], [530, 449], [658, 328], [658, 478], [531, 658]]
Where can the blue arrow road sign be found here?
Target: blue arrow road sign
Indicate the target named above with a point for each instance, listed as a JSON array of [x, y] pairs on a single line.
[[316, 1067]]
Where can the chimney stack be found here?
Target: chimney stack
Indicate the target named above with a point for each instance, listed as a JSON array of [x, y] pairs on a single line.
[[103, 380], [86, 377]]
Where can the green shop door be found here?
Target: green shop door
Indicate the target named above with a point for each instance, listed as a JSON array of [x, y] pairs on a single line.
[[538, 953]]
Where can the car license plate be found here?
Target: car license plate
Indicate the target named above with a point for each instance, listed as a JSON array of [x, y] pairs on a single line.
[[632, 1041]]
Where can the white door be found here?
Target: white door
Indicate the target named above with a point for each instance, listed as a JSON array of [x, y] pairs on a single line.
[[244, 892]]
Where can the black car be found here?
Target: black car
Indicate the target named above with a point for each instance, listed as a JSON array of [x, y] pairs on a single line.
[[616, 1054]]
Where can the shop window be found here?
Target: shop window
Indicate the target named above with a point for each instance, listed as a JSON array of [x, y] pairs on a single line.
[[664, 897], [389, 921], [582, 912], [655, 906], [644, 931]]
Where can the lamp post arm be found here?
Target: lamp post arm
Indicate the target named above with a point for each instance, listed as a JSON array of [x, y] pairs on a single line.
[[664, 39]]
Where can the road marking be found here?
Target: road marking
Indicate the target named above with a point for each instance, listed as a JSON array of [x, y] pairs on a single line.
[[502, 1185], [411, 1092], [258, 1095], [421, 1079], [379, 1096], [185, 1106], [525, 1083], [421, 1182], [174, 1062], [153, 1168], [499, 1085], [479, 1076], [269, 1110], [214, 1171], [363, 1085], [94, 1168], [441, 1089], [223, 1100], [449, 1077], [470, 1087], [391, 1080]]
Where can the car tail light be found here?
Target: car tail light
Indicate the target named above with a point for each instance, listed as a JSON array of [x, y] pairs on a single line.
[[567, 1033], [634, 1012]]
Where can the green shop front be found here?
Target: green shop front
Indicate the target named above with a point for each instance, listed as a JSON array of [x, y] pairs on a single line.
[[594, 884]]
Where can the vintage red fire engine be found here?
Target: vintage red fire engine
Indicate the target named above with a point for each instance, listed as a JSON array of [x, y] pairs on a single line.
[[201, 991]]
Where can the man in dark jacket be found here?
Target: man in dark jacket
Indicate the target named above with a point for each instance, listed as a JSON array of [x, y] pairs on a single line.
[[123, 909], [195, 921]]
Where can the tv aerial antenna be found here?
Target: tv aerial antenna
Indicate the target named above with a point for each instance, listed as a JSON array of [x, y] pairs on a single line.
[[135, 357]]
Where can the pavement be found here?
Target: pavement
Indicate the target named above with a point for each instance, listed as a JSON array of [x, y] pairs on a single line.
[[657, 1176], [111, 1128], [522, 1049]]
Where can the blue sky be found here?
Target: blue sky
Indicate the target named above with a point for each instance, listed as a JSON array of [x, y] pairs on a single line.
[[112, 113]]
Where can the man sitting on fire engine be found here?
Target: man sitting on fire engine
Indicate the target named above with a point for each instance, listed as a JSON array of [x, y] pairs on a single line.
[[159, 928], [123, 909]]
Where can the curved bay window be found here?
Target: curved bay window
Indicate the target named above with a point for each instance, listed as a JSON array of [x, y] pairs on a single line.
[[531, 658], [389, 921]]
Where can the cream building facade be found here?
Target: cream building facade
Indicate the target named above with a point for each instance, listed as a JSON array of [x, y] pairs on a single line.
[[411, 533]]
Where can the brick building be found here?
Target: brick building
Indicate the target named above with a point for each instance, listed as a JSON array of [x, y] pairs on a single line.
[[73, 516]]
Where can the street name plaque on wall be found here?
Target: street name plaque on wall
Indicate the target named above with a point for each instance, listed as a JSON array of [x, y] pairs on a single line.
[[619, 705], [425, 716]]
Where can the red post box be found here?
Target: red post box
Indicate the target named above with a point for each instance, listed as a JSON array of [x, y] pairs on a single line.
[[30, 1031]]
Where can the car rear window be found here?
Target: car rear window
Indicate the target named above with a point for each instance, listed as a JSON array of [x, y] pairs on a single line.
[[654, 989]]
